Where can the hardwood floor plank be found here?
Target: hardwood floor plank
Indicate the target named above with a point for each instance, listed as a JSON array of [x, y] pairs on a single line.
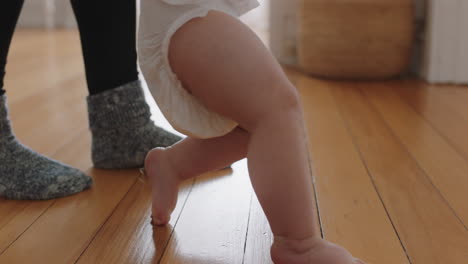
[[351, 211], [39, 53], [442, 114], [455, 95], [213, 224], [427, 227], [23, 215], [61, 116], [36, 82], [445, 167], [9, 210], [129, 227], [259, 236], [31, 74], [36, 42]]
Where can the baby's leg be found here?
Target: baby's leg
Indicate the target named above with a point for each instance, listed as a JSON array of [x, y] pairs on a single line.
[[167, 168], [226, 66]]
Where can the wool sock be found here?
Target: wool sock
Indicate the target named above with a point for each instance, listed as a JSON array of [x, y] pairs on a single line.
[[27, 175], [122, 129]]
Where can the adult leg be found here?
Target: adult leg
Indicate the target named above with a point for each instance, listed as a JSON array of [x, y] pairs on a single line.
[[25, 174], [9, 13], [119, 116]]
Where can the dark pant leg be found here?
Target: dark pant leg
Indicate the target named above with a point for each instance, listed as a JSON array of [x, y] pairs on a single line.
[[108, 36], [9, 13]]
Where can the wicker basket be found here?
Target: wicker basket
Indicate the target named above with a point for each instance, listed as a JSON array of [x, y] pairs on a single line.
[[355, 39]]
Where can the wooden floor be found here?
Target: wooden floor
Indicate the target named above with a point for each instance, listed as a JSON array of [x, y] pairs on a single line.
[[390, 162]]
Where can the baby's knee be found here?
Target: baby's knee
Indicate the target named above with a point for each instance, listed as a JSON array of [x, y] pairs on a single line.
[[285, 100], [291, 99], [277, 106]]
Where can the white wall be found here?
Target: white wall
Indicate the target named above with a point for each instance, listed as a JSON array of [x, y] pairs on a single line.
[[446, 48], [37, 14], [46, 14]]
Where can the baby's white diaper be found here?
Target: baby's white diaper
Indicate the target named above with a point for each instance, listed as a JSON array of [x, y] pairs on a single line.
[[159, 20]]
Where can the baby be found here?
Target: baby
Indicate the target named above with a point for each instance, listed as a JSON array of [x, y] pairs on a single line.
[[216, 82]]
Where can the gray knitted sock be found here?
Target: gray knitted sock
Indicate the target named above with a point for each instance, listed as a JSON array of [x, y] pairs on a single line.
[[122, 129], [27, 175]]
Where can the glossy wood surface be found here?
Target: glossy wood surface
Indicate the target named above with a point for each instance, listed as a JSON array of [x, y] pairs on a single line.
[[389, 163]]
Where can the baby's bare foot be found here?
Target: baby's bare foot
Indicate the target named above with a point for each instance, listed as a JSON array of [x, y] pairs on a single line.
[[310, 251], [164, 185]]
